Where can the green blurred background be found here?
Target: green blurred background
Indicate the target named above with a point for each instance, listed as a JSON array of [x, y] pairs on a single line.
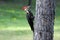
[[13, 23]]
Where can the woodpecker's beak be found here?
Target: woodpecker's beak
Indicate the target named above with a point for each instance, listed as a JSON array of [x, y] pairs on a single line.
[[26, 10]]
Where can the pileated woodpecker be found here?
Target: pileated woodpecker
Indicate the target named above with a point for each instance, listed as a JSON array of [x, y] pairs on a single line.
[[29, 16]]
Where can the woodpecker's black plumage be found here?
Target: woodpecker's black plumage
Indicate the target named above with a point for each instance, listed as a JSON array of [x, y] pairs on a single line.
[[29, 15], [30, 19]]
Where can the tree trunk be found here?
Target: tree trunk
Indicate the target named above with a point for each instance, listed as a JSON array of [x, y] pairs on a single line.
[[44, 20]]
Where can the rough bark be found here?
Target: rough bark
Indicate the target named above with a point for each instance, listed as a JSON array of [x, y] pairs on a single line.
[[44, 20]]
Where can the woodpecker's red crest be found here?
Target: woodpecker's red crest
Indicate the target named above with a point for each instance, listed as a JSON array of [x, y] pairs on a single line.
[[24, 7]]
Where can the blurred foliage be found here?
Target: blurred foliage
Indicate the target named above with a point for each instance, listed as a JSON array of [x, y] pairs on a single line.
[[13, 23]]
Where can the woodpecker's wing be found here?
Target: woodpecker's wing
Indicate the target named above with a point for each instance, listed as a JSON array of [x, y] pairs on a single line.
[[30, 19]]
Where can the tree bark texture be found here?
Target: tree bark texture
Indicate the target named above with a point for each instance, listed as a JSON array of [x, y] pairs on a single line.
[[44, 20]]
